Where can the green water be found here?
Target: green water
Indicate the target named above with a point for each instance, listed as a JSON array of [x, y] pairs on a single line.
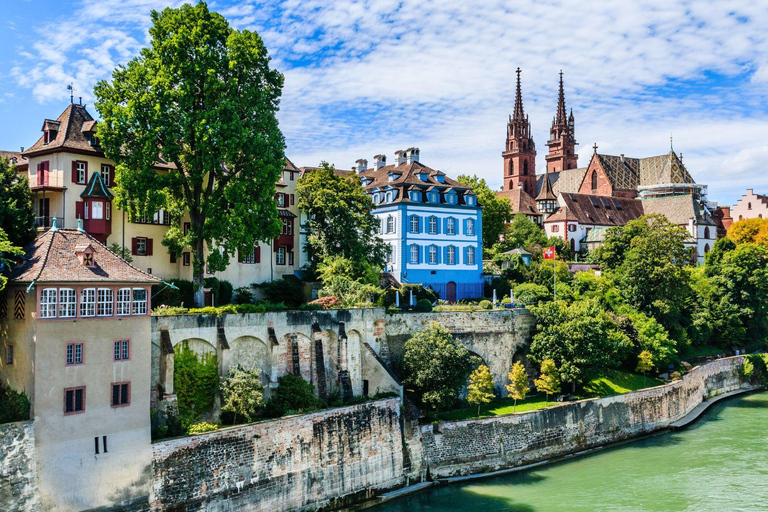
[[720, 463]]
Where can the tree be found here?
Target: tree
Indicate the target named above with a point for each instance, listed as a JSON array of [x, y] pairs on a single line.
[[242, 392], [480, 387], [203, 98], [549, 380], [196, 382], [531, 293], [518, 383], [749, 231], [644, 362], [436, 366], [524, 233], [496, 210], [16, 216], [7, 251], [339, 222], [293, 394]]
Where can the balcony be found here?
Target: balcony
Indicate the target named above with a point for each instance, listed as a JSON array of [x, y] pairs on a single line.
[[44, 223]]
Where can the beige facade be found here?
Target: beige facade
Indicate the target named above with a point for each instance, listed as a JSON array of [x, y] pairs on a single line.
[[750, 206]]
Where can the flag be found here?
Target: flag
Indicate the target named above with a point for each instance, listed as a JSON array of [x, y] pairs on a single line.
[[549, 253]]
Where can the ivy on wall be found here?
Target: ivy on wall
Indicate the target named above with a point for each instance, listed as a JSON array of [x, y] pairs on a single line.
[[196, 381]]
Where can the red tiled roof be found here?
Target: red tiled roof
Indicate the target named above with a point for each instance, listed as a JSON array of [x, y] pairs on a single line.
[[51, 258], [70, 134], [408, 175], [597, 210], [15, 157], [520, 201]]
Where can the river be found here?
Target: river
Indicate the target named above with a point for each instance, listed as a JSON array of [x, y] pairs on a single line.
[[720, 463]]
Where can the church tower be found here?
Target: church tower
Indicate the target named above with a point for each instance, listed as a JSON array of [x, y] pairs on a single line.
[[562, 143], [520, 152]]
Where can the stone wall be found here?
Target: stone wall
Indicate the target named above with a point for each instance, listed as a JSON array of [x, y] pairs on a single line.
[[18, 472], [493, 335], [464, 447], [296, 463]]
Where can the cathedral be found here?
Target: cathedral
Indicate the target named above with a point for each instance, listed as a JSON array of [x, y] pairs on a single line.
[[579, 203]]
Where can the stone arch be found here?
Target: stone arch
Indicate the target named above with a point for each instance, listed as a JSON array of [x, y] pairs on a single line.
[[294, 357], [199, 346], [250, 352]]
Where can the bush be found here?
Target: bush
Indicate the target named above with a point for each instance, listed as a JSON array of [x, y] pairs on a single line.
[[287, 291], [325, 302], [163, 294], [221, 290], [201, 428], [387, 298], [506, 300], [14, 405], [424, 306], [243, 295], [196, 379], [242, 393], [293, 394], [530, 293], [169, 311], [486, 304]]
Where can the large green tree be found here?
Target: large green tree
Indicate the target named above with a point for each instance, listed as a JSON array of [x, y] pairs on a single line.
[[524, 233], [339, 222], [202, 97], [16, 216], [7, 252], [496, 210]]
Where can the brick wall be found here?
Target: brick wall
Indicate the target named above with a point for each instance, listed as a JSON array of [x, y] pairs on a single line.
[[296, 463], [18, 471], [464, 447]]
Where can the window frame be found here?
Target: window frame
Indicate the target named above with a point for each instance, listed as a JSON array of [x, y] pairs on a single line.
[[110, 303], [121, 350], [71, 305], [46, 305], [470, 255], [430, 251], [390, 224], [186, 258], [470, 227], [432, 220], [9, 354], [74, 345], [280, 256], [142, 303], [120, 385], [120, 304], [74, 391], [414, 227], [450, 226], [450, 255], [81, 166], [139, 250], [87, 303]]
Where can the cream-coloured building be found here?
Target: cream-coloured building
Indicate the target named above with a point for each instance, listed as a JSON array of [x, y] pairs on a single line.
[[77, 340], [750, 206], [71, 180]]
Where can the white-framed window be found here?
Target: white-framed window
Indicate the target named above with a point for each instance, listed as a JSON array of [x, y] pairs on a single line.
[[450, 226], [105, 296], [393, 254], [433, 255], [433, 197], [97, 210], [450, 198], [414, 224], [74, 354], [141, 246], [470, 227], [124, 301], [139, 301], [390, 224], [108, 210], [281, 200], [85, 211], [67, 303], [450, 255], [378, 225], [88, 302], [106, 175], [389, 197], [280, 257], [470, 200], [470, 256], [433, 225], [82, 171], [415, 196], [414, 254], [48, 302]]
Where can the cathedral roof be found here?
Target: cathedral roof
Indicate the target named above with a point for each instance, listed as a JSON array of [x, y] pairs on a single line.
[[563, 181], [678, 209], [597, 210], [663, 169], [520, 201], [622, 172]]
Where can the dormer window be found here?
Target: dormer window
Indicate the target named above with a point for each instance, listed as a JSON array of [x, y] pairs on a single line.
[[85, 254], [376, 198], [50, 131], [470, 200], [440, 178], [415, 196], [423, 176], [434, 197], [450, 197]]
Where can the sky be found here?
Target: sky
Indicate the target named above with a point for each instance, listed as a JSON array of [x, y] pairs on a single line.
[[369, 77]]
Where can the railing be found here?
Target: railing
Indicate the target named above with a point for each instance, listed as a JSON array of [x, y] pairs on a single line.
[[47, 222]]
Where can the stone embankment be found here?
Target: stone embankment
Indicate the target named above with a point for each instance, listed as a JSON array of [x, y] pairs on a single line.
[[18, 472]]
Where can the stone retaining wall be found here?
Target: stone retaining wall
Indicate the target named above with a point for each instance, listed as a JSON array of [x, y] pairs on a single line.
[[18, 471], [474, 446], [297, 463]]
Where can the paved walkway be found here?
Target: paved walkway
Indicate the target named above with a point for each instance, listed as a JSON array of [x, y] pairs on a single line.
[[703, 406]]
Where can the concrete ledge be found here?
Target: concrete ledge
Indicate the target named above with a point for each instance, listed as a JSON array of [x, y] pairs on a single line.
[[703, 406]]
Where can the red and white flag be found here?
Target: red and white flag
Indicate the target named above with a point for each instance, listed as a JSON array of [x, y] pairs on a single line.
[[549, 253]]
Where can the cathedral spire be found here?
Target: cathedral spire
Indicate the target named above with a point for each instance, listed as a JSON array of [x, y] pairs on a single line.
[[561, 113], [519, 114]]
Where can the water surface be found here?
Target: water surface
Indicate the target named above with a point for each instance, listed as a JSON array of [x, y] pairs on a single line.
[[720, 463]]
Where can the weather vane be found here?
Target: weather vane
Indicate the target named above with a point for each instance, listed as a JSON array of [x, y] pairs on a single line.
[[71, 89]]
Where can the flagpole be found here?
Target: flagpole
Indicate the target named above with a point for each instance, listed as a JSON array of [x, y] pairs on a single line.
[[554, 273]]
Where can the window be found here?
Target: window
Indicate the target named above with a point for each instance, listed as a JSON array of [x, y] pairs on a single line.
[[571, 227], [86, 207], [414, 254], [393, 254], [470, 256], [415, 196], [389, 197], [749, 206], [555, 228], [105, 302], [451, 255], [106, 175], [594, 180], [48, 303], [293, 196], [706, 232], [80, 172], [88, 302], [287, 227], [432, 255], [185, 259], [9, 354], [159, 217], [433, 197], [141, 246], [97, 210], [290, 258], [139, 301], [450, 226], [74, 354], [250, 258], [280, 256], [280, 200], [121, 394], [108, 210], [433, 225], [124, 301], [525, 167], [378, 225], [122, 350], [414, 224], [74, 400], [67, 302], [470, 227], [187, 227], [390, 224]]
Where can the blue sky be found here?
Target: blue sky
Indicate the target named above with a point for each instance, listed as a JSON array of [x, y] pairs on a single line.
[[368, 77]]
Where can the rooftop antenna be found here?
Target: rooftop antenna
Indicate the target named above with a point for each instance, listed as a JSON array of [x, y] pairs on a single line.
[[71, 89], [670, 142]]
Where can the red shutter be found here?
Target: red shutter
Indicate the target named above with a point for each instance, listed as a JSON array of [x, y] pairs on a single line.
[[149, 247], [134, 246], [79, 210], [257, 254], [74, 171]]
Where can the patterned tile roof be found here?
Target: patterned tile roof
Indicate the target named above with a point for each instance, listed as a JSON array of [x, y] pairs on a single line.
[[663, 169], [622, 172], [678, 209], [51, 258], [563, 181]]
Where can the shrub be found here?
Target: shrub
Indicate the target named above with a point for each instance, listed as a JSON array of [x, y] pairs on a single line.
[[163, 294], [423, 306], [293, 394], [506, 300], [14, 405], [169, 311], [196, 379], [530, 293], [287, 291], [243, 295], [201, 428], [326, 302], [221, 290], [242, 393], [486, 304]]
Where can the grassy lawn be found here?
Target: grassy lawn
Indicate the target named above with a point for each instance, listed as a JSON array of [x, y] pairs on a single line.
[[498, 407], [616, 383]]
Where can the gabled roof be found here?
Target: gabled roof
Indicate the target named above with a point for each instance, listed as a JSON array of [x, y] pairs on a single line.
[[545, 192], [16, 158], [70, 133], [622, 172], [597, 210], [96, 188], [663, 169], [563, 181], [678, 209], [408, 176], [520, 201], [52, 258]]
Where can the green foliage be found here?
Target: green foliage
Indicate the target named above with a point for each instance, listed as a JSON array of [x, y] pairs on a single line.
[[243, 295], [242, 393], [339, 222], [759, 369], [496, 210], [480, 389], [542, 274], [644, 362], [201, 428], [229, 309], [293, 395], [436, 367], [531, 293], [486, 304], [287, 291], [749, 231], [651, 337], [615, 382], [424, 306], [522, 232], [196, 380], [164, 295], [517, 388], [14, 405], [747, 369], [17, 218], [122, 252], [7, 251], [722, 247], [549, 379], [420, 292], [203, 97]]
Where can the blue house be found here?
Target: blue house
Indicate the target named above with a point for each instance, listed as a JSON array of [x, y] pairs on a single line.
[[432, 224]]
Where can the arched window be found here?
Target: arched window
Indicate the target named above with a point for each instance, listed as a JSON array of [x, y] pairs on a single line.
[[390, 224], [706, 232], [749, 206], [511, 167], [573, 245], [594, 180], [525, 167], [706, 249]]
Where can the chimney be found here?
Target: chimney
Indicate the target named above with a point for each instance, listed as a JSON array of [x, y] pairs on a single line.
[[81, 100], [362, 165], [400, 157], [22, 149], [622, 157], [380, 161], [412, 155]]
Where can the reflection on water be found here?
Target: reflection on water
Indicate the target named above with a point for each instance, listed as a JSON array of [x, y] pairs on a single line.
[[718, 464]]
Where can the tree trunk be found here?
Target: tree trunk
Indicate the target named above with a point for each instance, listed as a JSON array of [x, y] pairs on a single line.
[[198, 279]]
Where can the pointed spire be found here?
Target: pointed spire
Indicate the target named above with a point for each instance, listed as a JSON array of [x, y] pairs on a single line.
[[546, 193], [561, 112], [519, 114]]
